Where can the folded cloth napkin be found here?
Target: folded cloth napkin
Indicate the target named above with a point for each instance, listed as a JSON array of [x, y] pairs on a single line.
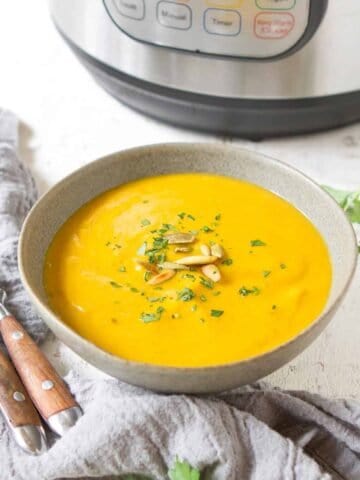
[[253, 433]]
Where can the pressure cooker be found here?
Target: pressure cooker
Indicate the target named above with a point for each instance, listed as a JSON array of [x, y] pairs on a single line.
[[254, 68]]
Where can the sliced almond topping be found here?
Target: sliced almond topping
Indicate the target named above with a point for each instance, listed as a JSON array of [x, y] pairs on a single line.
[[179, 237], [217, 250], [205, 249], [182, 249], [197, 260], [150, 267], [173, 266], [162, 277], [212, 272]]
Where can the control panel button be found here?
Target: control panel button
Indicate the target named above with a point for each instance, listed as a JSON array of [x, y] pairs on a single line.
[[276, 4], [273, 25], [131, 8], [174, 15], [222, 22]]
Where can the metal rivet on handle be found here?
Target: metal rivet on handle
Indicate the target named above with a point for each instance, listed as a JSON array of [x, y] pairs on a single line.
[[18, 396], [47, 385], [17, 335]]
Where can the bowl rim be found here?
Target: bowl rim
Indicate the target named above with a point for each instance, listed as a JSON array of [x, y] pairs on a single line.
[[157, 368]]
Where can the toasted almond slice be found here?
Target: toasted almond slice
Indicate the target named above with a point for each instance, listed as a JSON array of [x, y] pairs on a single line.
[[150, 267], [197, 260], [217, 250], [179, 237], [172, 266], [212, 272], [162, 277], [205, 249]]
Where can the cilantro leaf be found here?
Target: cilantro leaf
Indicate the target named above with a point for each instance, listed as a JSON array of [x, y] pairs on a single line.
[[216, 313], [244, 292], [186, 294], [183, 471], [257, 243], [207, 282], [348, 201]]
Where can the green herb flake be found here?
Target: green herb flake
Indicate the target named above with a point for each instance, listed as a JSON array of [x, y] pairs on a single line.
[[244, 292], [186, 294], [145, 222], [134, 290], [206, 229], [115, 284], [216, 294], [122, 269], [203, 298], [156, 299], [257, 243], [160, 243], [149, 317], [227, 261], [147, 276], [207, 282], [182, 215], [189, 276], [182, 470], [218, 217], [283, 266], [216, 313], [145, 201], [191, 217], [266, 273], [274, 307]]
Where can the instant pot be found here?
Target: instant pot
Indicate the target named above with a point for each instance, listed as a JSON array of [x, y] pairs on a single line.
[[253, 68]]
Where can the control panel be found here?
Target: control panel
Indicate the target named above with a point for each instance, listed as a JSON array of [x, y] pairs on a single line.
[[241, 28]]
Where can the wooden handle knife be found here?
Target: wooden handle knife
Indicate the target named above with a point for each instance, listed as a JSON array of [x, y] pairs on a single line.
[[18, 410]]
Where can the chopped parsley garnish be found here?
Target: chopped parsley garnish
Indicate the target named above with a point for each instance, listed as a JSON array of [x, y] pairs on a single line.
[[274, 307], [244, 292], [282, 266], [189, 276], [134, 290], [218, 217], [266, 273], [182, 215], [160, 243], [115, 284], [257, 243], [152, 317], [145, 222], [122, 269], [203, 298], [206, 229], [207, 282], [227, 261], [186, 294], [216, 313], [147, 276], [191, 217], [156, 299]]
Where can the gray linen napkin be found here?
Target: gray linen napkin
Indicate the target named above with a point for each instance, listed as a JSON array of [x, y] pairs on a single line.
[[253, 433]]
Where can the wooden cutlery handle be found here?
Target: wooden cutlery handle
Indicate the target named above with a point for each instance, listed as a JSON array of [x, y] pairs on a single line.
[[14, 400], [46, 388]]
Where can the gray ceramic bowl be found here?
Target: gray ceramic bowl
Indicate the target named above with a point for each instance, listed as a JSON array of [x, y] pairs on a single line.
[[71, 193]]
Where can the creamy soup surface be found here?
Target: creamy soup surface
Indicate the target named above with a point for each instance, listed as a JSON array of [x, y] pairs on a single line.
[[110, 274]]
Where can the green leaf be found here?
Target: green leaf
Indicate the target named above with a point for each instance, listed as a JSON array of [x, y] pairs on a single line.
[[122, 269], [227, 261], [206, 229], [266, 273], [183, 471], [244, 292], [348, 201], [115, 284], [186, 294], [218, 217], [207, 282], [145, 222], [257, 243], [216, 313]]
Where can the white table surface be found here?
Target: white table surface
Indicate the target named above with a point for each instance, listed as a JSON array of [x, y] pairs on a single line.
[[67, 121]]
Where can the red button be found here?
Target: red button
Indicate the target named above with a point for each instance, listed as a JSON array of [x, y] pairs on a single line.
[[273, 25]]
